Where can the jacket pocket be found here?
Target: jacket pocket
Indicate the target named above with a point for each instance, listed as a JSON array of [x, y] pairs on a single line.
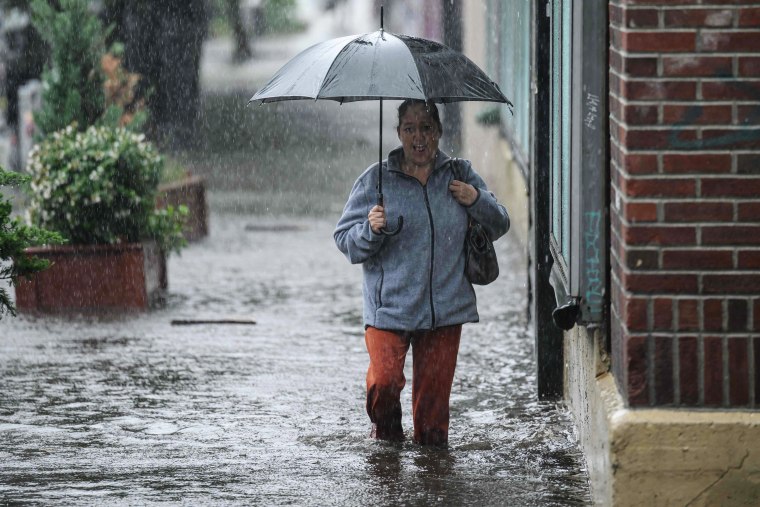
[[379, 289]]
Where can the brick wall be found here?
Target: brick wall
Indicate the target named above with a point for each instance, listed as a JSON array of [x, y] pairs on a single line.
[[685, 201]]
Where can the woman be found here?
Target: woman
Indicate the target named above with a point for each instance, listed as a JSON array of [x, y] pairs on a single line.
[[415, 291]]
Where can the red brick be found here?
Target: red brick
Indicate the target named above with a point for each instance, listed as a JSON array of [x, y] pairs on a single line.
[[749, 66], [688, 366], [731, 90], [749, 211], [745, 138], [728, 2], [697, 115], [662, 3], [712, 314], [616, 14], [660, 187], [731, 284], [731, 236], [703, 163], [749, 18], [660, 139], [697, 259], [697, 66], [659, 42], [635, 314], [636, 366], [692, 211], [642, 259], [688, 315], [738, 372], [639, 67], [663, 370], [658, 235], [662, 310], [641, 18], [659, 90], [688, 18], [636, 212], [730, 187], [731, 42], [660, 284], [738, 315], [748, 115], [640, 114], [713, 372], [640, 164], [748, 163], [749, 259]]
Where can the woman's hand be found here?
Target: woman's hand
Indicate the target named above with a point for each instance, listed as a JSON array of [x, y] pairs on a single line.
[[376, 218], [464, 193]]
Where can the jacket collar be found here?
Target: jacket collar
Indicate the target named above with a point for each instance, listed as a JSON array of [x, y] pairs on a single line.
[[394, 160]]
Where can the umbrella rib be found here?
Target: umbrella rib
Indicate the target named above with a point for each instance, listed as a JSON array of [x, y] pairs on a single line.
[[337, 56]]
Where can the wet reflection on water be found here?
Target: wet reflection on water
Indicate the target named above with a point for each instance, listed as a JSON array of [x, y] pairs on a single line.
[[133, 410]]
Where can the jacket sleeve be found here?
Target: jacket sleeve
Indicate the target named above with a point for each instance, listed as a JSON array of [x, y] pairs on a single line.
[[353, 234], [486, 210]]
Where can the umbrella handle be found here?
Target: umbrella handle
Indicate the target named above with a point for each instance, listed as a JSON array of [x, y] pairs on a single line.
[[385, 230]]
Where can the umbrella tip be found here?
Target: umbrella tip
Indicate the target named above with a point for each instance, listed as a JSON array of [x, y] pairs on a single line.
[[381, 16]]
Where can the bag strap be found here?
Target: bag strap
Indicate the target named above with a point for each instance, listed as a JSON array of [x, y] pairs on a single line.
[[455, 168]]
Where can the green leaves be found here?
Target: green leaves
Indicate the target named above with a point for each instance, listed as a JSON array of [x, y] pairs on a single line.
[[14, 238], [99, 186]]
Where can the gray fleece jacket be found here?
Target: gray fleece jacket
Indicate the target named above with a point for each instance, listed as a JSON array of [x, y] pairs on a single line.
[[415, 279]]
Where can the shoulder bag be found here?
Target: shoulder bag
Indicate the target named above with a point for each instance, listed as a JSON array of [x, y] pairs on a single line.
[[480, 264]]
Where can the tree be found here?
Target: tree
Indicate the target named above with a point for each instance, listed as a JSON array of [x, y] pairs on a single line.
[[163, 42], [14, 238], [73, 82]]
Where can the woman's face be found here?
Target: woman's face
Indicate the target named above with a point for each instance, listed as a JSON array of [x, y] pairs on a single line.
[[419, 135]]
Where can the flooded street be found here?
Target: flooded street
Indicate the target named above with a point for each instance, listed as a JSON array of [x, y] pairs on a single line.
[[135, 410]]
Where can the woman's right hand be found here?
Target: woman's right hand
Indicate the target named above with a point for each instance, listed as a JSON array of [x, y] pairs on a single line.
[[376, 218]]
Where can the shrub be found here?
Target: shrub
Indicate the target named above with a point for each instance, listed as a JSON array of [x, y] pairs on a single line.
[[99, 186], [14, 238]]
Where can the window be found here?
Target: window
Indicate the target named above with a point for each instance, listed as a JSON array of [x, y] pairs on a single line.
[[578, 162]]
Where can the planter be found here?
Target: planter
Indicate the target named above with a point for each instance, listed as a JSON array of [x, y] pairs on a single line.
[[129, 276], [191, 192]]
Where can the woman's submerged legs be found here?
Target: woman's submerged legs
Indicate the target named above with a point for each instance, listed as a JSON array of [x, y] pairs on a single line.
[[385, 380], [434, 359], [434, 362]]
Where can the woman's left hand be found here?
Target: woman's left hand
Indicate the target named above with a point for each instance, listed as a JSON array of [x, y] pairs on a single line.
[[464, 193]]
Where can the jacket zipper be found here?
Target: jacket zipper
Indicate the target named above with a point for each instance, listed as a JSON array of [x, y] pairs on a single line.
[[432, 245], [432, 255]]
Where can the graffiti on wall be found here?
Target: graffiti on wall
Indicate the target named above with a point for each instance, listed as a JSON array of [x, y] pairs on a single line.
[[749, 134], [593, 268]]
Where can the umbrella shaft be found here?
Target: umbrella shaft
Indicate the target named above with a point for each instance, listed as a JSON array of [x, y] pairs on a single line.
[[380, 158]]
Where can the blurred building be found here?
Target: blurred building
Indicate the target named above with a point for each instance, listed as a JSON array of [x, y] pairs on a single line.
[[632, 166]]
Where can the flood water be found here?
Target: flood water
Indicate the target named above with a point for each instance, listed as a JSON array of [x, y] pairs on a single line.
[[135, 410]]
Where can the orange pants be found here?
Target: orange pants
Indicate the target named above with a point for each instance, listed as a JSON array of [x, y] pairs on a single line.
[[434, 359]]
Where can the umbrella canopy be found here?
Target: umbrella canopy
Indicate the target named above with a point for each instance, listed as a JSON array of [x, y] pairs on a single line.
[[380, 65], [376, 66]]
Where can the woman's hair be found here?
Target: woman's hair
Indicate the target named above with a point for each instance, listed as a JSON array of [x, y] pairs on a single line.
[[429, 105]]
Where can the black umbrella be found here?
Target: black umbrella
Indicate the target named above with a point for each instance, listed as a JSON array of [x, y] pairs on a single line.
[[376, 66]]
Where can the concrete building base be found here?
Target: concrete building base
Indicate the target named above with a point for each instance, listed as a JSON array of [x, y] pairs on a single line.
[[657, 456]]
